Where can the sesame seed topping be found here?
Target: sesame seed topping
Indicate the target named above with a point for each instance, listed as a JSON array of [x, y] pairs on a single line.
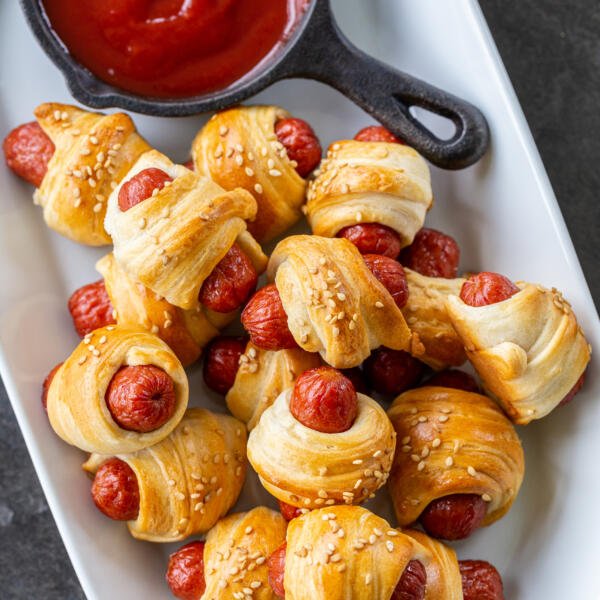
[[378, 304], [443, 418], [180, 496], [449, 461], [274, 172], [249, 172], [390, 546], [421, 465], [94, 140], [223, 130], [436, 443], [248, 530], [471, 471], [239, 160], [486, 497]]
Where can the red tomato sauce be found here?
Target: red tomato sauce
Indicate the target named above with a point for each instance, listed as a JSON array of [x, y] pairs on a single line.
[[171, 48]]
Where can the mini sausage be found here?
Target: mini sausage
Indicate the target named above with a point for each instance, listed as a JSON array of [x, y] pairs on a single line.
[[142, 186], [301, 144], [377, 133], [390, 372], [222, 361], [115, 490], [453, 378], [289, 512], [324, 400], [266, 322], [357, 377], [412, 584], [276, 565], [487, 288], [372, 238], [480, 580], [27, 151], [230, 283], [47, 383], [453, 517], [185, 573], [90, 308], [433, 254], [390, 273], [141, 398]]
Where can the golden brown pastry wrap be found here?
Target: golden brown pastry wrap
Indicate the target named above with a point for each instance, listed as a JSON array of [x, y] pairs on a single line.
[[426, 315], [334, 304], [76, 406], [452, 442], [347, 552], [172, 241], [309, 469], [370, 182], [528, 350], [93, 153], [262, 376], [185, 331], [238, 148], [236, 553], [190, 479]]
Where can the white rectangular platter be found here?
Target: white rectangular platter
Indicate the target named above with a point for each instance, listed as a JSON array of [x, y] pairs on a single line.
[[502, 212]]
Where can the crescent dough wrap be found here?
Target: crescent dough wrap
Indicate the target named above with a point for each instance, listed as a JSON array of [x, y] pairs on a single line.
[[172, 241], [426, 315], [366, 563], [452, 442], [370, 182], [443, 573], [76, 406], [238, 148], [185, 331], [262, 376], [236, 551], [189, 480], [335, 305], [308, 469], [93, 153], [528, 350]]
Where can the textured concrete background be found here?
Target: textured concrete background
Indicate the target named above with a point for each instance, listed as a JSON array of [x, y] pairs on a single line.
[[551, 50]]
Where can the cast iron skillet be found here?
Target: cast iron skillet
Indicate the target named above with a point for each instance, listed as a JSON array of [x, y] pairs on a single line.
[[317, 49]]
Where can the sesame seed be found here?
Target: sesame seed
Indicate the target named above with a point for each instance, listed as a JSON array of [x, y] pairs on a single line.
[[368, 579], [94, 140], [180, 496], [449, 461], [248, 530], [274, 172], [239, 160], [82, 360], [258, 188], [102, 340], [422, 419], [379, 304], [421, 465], [223, 130], [95, 352], [471, 471], [154, 329], [390, 546], [486, 497], [249, 172], [336, 331], [436, 443]]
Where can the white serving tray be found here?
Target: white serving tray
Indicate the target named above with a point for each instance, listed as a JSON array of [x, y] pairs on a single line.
[[502, 212]]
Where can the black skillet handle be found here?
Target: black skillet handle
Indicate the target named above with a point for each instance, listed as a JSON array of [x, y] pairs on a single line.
[[325, 54]]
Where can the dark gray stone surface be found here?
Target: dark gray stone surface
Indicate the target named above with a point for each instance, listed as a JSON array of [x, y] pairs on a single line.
[[551, 50]]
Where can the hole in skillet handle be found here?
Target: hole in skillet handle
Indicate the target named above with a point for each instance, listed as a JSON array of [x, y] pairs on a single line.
[[325, 54]]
